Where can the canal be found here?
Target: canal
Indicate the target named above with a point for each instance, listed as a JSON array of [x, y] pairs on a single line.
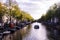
[[36, 33]]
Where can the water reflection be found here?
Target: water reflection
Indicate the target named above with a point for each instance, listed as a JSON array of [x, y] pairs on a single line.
[[36, 34]]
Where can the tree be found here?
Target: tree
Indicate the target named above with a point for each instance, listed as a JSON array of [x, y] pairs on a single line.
[[51, 13], [3, 10], [16, 12]]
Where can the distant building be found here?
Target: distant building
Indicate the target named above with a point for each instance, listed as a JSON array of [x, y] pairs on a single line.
[[55, 19], [5, 18]]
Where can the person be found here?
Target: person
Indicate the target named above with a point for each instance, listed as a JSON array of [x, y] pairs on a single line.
[[11, 25]]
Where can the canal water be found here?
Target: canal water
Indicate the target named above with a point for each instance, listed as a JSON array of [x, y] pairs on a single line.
[[36, 34]]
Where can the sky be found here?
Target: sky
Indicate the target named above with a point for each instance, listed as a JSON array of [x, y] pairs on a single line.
[[36, 8]]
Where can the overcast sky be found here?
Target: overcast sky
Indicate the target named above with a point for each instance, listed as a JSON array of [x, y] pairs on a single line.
[[36, 7]]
